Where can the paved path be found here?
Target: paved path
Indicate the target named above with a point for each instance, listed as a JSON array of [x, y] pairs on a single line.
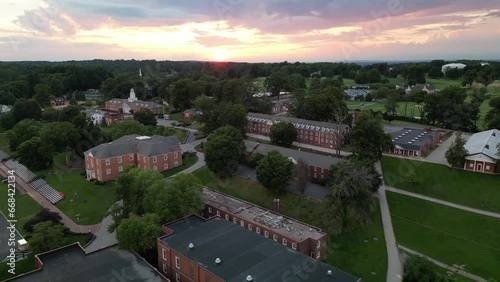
[[103, 238], [445, 203], [46, 204], [394, 265], [445, 266]]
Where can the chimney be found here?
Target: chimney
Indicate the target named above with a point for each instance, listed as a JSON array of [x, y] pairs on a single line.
[[276, 205], [135, 154]]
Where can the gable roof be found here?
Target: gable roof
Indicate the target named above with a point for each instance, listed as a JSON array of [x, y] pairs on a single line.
[[484, 143], [146, 146], [327, 127]]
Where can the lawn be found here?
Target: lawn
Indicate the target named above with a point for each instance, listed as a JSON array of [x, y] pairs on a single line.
[[181, 134], [467, 188], [447, 234], [186, 163], [408, 109], [93, 202], [355, 252], [26, 207], [177, 116], [441, 83]]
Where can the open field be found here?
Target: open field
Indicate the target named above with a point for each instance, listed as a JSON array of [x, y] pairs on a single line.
[[408, 109], [348, 252], [92, 203], [447, 234], [467, 188], [26, 207]]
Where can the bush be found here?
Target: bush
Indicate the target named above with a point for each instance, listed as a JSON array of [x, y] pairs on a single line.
[[254, 159], [42, 216]]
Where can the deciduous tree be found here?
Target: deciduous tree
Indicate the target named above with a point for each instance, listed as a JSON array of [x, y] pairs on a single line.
[[145, 117], [419, 269], [138, 233], [369, 140], [283, 133], [26, 109], [46, 236], [455, 155], [274, 171], [224, 150]]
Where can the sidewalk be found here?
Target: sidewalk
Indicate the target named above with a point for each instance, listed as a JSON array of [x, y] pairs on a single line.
[[48, 205]]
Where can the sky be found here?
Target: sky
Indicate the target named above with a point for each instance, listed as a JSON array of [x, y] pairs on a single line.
[[250, 30]]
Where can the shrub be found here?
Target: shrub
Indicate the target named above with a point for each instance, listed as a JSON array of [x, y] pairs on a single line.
[[43, 215]]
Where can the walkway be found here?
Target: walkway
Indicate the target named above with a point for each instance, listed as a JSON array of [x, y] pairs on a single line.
[[316, 149], [394, 265], [441, 202], [103, 238], [46, 204], [454, 269]]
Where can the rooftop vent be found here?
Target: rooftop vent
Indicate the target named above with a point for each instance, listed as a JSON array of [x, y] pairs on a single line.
[[249, 278], [409, 142], [217, 261], [142, 137], [329, 273], [191, 245]]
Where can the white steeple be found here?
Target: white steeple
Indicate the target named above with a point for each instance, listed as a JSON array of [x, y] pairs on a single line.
[[132, 97]]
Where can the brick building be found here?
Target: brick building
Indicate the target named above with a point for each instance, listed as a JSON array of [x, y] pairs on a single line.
[[106, 161], [294, 234], [322, 134], [319, 165], [189, 114], [216, 250], [58, 101], [280, 106], [132, 105], [483, 153], [415, 142]]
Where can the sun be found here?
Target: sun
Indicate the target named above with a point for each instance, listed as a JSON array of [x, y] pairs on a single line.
[[220, 56]]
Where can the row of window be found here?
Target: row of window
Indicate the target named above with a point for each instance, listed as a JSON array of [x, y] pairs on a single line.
[[131, 157], [120, 168]]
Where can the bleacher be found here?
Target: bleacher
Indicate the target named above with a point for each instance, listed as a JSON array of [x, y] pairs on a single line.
[[38, 184]]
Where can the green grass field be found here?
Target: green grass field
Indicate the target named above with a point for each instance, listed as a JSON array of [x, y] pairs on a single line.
[[467, 188], [408, 109], [447, 234], [186, 163], [177, 116], [93, 203], [348, 252], [26, 207]]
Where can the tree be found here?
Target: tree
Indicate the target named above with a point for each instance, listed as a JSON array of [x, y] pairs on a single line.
[[456, 154], [179, 197], [274, 171], [369, 140], [419, 269], [42, 216], [23, 131], [301, 173], [413, 179], [493, 116], [46, 236], [138, 233], [42, 94], [224, 150], [26, 109], [276, 82], [127, 127], [32, 155], [237, 117], [145, 117], [58, 137], [382, 93], [283, 133], [391, 104], [349, 202]]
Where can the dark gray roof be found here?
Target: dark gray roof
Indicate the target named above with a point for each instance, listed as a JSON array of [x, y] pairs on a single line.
[[309, 158], [412, 138], [111, 264], [146, 146], [143, 104], [312, 125], [243, 252]]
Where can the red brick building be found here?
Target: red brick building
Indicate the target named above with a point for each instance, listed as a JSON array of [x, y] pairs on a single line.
[[132, 105], [322, 134], [280, 107], [215, 250], [483, 152], [189, 114], [106, 161], [415, 142]]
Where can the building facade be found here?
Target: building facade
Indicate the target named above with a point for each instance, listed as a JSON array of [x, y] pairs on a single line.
[[107, 161], [322, 134], [195, 249], [189, 114], [132, 105], [279, 107], [483, 155], [415, 142]]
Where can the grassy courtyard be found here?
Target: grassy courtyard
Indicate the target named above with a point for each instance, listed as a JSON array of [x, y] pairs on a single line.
[[26, 207], [359, 252], [467, 188], [447, 234], [92, 202]]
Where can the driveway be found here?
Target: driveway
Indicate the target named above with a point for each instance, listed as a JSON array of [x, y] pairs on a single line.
[[438, 155]]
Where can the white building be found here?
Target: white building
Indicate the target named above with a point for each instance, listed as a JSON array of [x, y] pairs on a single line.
[[5, 109], [452, 66]]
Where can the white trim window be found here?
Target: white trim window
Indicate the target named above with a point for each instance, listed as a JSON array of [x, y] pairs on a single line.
[[120, 169], [165, 157], [257, 229], [177, 262], [235, 220], [108, 171], [176, 164], [131, 157], [266, 233], [155, 168], [165, 268], [209, 209], [318, 244], [275, 237], [242, 223], [164, 254], [250, 227], [119, 160], [284, 241], [176, 155], [294, 246], [108, 161], [165, 166], [154, 159], [218, 213], [177, 277], [226, 217], [318, 255]]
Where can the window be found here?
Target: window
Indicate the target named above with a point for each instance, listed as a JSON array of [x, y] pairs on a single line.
[[175, 155], [165, 268], [487, 167], [144, 158], [235, 220], [155, 168], [209, 209], [165, 157], [471, 165], [164, 253], [294, 246], [131, 157], [318, 255], [242, 223], [250, 227], [178, 277], [284, 241], [318, 244], [154, 159], [218, 213], [119, 160], [257, 230], [165, 166], [266, 234], [177, 262], [191, 270], [120, 168], [227, 217], [108, 161], [275, 237], [108, 171], [176, 164]]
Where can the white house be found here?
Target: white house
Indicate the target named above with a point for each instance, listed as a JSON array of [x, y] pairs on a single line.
[[5, 109]]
